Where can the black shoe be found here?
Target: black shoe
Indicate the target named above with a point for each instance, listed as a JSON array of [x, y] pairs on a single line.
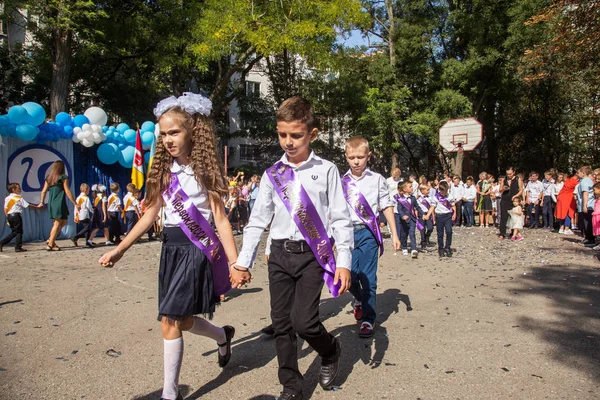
[[268, 330], [74, 240], [441, 253], [88, 244], [151, 239], [289, 396], [1, 246], [330, 368], [423, 249], [179, 397], [590, 245], [19, 250], [229, 333], [449, 253]]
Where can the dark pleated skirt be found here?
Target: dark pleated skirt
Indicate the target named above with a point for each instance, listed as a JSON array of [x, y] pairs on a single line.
[[185, 282]]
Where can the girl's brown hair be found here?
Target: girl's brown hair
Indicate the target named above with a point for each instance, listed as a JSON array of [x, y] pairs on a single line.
[[56, 171], [204, 158]]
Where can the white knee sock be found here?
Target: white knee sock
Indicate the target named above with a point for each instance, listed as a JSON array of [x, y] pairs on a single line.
[[173, 359], [204, 328]]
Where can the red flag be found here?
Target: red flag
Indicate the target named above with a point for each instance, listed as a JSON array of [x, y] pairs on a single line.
[[137, 170]]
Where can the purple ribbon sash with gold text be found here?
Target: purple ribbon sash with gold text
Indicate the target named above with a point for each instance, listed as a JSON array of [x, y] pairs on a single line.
[[361, 207], [409, 207], [307, 219], [199, 231], [446, 203]]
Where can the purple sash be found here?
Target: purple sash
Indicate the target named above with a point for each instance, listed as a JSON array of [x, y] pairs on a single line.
[[307, 219], [361, 207], [409, 207], [444, 201], [199, 231]]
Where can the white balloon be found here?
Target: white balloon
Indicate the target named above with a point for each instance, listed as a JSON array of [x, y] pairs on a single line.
[[96, 115], [81, 135], [76, 139], [85, 127], [102, 136], [96, 137], [87, 143], [96, 128], [76, 130]]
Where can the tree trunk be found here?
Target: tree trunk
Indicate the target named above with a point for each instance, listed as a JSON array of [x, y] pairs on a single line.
[[457, 164], [62, 40], [389, 6]]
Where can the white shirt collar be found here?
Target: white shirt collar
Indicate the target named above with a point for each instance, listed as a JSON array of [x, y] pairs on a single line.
[[311, 158], [366, 172], [186, 169]]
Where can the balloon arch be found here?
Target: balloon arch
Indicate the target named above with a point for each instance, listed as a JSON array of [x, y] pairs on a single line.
[[117, 143]]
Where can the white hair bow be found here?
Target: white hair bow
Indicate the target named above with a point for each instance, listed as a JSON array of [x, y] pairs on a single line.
[[192, 103]]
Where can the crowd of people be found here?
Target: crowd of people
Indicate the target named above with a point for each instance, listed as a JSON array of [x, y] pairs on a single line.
[[325, 228]]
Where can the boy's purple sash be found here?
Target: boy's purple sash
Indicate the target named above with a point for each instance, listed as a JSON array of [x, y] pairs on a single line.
[[361, 207], [409, 207], [199, 231], [307, 219], [444, 201]]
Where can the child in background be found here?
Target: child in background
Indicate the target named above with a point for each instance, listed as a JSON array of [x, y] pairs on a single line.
[[407, 210], [516, 219], [596, 213], [14, 204], [426, 211], [232, 207], [130, 214], [585, 194], [100, 213], [84, 215], [469, 197], [114, 209], [548, 190], [445, 214], [484, 205], [534, 192], [494, 194]]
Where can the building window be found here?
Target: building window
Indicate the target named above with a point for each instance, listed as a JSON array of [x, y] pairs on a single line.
[[249, 152], [252, 88]]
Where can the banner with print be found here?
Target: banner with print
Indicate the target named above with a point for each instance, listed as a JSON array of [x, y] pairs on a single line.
[[28, 165]]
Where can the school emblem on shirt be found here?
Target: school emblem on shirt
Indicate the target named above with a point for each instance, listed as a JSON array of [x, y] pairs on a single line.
[[28, 167]]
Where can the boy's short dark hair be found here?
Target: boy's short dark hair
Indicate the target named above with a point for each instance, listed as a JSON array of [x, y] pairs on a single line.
[[114, 187], [297, 109], [11, 187], [443, 186], [130, 187], [469, 178]]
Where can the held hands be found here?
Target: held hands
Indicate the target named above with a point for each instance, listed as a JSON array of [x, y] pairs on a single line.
[[405, 218], [110, 259], [239, 276], [342, 275]]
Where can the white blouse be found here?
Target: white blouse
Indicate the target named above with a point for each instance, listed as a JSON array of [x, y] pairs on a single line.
[[194, 191]]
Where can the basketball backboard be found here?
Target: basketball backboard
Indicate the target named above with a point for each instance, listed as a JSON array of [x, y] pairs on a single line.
[[461, 134]]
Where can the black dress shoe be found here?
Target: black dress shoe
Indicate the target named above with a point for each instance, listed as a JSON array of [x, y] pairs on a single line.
[[19, 250], [330, 368], [441, 253], [290, 396], [268, 330], [229, 333], [448, 252], [179, 397]]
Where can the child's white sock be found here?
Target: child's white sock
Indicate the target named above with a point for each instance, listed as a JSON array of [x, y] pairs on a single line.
[[204, 328], [173, 359]]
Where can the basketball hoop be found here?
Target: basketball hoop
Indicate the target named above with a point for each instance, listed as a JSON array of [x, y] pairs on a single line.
[[460, 135], [459, 148]]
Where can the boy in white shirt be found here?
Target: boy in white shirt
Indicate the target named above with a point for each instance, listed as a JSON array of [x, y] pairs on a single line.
[[534, 192], [114, 209], [130, 213], [445, 214], [84, 215], [457, 191], [14, 204], [302, 197], [468, 200]]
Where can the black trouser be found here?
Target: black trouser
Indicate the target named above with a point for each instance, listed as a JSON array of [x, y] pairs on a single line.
[[132, 219], [547, 212], [114, 227], [444, 225], [85, 231], [533, 211], [585, 224], [16, 226], [459, 214], [505, 206], [426, 231], [295, 284]]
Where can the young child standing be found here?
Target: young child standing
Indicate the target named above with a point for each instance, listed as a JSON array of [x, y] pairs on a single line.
[[445, 214], [547, 210], [130, 214], [367, 195], [186, 176], [586, 205], [469, 197], [425, 212], [516, 220], [534, 192], [84, 215], [114, 209], [100, 213], [302, 195], [407, 211], [14, 204]]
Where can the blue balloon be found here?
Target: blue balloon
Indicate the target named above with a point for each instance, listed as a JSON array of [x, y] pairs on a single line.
[[146, 157], [36, 111], [7, 130], [18, 115], [63, 118], [4, 120], [68, 130], [148, 126], [126, 156], [105, 129], [147, 138], [122, 127], [27, 132], [129, 136], [121, 146], [80, 120], [108, 153]]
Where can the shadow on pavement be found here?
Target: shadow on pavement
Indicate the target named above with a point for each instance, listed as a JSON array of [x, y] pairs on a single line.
[[574, 332], [183, 390]]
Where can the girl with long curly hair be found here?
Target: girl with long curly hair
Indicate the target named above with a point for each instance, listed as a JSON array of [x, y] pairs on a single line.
[[186, 178]]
